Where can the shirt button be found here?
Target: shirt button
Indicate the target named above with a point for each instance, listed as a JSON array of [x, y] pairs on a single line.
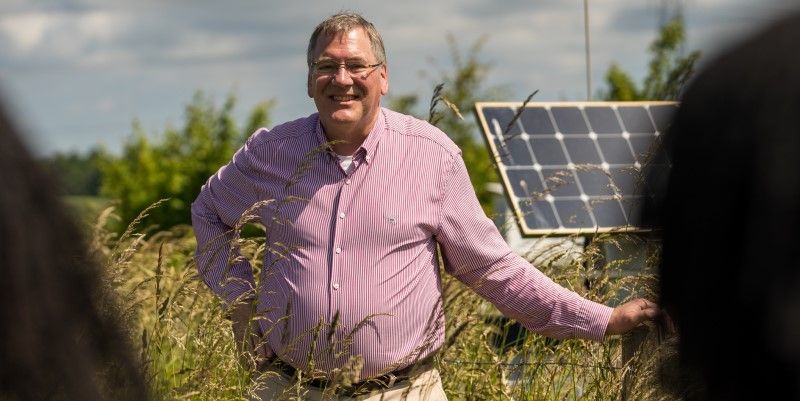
[[341, 215], [347, 181], [335, 286], [366, 157], [338, 250]]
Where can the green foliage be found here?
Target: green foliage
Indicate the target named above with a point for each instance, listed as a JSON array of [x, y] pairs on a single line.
[[178, 162], [621, 86], [77, 173], [463, 86], [668, 70], [404, 103]]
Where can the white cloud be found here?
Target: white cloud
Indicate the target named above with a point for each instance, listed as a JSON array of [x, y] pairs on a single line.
[[102, 26], [26, 31], [199, 45], [66, 38]]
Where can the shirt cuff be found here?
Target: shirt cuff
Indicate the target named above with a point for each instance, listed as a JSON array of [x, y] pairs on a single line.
[[594, 318]]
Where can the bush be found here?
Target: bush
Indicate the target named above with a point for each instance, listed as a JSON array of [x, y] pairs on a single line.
[[177, 163]]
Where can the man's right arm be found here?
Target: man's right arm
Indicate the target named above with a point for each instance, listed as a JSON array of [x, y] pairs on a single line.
[[223, 199], [216, 211]]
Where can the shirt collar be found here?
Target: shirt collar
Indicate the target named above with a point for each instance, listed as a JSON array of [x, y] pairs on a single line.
[[369, 145]]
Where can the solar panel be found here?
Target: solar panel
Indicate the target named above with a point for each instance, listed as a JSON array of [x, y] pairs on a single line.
[[572, 167]]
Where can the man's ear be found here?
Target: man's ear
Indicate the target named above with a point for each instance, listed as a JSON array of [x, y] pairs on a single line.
[[384, 79]]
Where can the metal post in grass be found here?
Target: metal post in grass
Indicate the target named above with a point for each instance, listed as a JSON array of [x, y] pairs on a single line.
[[646, 356]]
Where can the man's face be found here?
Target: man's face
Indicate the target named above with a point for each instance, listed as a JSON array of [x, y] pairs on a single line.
[[345, 101]]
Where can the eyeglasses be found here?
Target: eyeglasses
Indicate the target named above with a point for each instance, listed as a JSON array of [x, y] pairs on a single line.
[[331, 67]]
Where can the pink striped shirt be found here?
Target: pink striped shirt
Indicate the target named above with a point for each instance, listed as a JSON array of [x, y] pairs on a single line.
[[355, 253]]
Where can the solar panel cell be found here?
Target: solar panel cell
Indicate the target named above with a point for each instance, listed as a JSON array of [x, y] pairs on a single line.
[[662, 115], [569, 120], [603, 120], [573, 213], [641, 145], [518, 152], [548, 151], [625, 179], [595, 182], [537, 122], [582, 150], [560, 183], [631, 208], [636, 120], [616, 150], [526, 183], [538, 214], [607, 212], [499, 118]]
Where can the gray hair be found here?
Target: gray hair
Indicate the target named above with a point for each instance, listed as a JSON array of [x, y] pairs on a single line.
[[344, 22]]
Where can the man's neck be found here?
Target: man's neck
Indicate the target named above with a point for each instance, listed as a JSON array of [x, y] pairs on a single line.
[[347, 139], [346, 144]]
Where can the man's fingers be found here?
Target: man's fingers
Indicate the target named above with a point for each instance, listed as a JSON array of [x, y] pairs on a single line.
[[652, 313], [631, 314], [647, 310]]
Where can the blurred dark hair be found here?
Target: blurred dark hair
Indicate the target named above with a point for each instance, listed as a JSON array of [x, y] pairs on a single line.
[[59, 336], [730, 213]]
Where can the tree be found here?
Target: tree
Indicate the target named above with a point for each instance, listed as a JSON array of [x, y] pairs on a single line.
[[178, 163], [462, 87], [76, 173], [668, 70]]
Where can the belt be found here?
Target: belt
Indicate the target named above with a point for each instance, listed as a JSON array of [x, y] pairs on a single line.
[[381, 382]]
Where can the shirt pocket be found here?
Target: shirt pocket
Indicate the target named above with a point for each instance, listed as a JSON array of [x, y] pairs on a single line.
[[403, 219]]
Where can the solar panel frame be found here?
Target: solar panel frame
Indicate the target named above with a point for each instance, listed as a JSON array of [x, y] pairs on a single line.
[[546, 136]]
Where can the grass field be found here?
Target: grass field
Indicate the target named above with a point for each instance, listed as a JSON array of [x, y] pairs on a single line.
[[187, 351]]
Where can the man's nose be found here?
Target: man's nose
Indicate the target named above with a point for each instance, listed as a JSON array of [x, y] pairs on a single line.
[[342, 76]]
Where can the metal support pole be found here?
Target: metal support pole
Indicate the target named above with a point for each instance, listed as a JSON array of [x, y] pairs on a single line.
[[588, 52]]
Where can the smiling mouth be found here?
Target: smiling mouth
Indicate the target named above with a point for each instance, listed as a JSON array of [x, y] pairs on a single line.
[[343, 98]]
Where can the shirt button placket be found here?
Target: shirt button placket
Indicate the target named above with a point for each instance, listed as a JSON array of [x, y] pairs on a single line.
[[338, 258]]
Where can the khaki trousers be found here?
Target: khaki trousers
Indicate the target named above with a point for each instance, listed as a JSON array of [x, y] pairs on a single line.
[[427, 386]]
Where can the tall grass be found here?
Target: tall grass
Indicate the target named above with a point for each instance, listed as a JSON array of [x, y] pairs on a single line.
[[483, 362], [187, 349]]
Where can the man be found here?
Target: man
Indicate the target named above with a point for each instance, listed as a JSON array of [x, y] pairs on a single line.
[[354, 199]]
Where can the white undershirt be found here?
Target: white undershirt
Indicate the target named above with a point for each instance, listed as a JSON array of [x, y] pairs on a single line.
[[345, 161]]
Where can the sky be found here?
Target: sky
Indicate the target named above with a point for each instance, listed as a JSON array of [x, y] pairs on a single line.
[[77, 73]]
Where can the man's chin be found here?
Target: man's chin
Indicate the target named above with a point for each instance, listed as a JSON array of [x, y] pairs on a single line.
[[339, 118]]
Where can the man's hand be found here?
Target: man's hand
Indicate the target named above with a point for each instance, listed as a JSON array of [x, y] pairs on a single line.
[[631, 314], [247, 334]]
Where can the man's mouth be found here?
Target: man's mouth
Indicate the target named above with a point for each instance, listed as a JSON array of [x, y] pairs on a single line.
[[343, 98]]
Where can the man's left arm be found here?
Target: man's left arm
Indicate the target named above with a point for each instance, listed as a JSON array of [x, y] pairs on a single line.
[[477, 255]]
